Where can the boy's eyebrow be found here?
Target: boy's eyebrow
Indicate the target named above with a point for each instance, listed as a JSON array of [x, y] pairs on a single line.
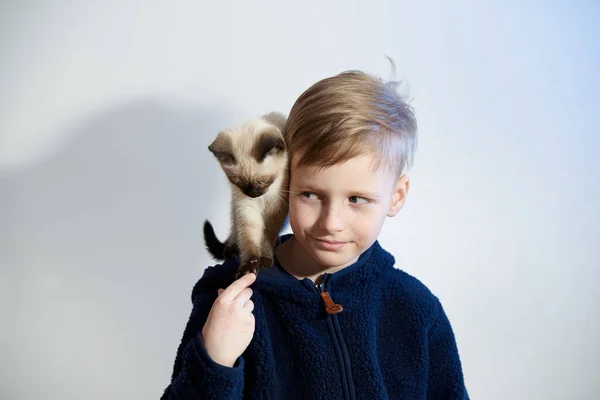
[[359, 193], [369, 195]]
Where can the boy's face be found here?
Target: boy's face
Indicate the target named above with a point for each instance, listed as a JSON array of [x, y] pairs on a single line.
[[336, 213]]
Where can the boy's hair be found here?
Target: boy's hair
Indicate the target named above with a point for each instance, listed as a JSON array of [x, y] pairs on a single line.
[[352, 114]]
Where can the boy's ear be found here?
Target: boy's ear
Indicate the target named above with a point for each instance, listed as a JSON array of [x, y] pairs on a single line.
[[399, 195]]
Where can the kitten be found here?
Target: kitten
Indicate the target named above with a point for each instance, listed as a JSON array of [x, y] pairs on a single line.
[[254, 159]]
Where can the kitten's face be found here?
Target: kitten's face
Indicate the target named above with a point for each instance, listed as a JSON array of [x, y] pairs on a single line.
[[252, 155]]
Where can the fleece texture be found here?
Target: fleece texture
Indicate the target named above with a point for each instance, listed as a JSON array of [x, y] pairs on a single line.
[[392, 340]]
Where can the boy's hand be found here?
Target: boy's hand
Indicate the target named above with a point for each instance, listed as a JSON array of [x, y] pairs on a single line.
[[229, 327]]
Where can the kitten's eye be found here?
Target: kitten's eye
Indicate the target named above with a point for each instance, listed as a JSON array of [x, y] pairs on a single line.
[[226, 159], [262, 183]]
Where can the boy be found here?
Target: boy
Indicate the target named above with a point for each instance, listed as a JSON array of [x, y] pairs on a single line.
[[333, 318]]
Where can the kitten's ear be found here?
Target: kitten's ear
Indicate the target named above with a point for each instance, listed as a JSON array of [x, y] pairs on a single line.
[[277, 119], [221, 147], [221, 144]]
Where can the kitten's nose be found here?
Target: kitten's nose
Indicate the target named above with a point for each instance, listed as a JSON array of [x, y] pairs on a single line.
[[253, 191]]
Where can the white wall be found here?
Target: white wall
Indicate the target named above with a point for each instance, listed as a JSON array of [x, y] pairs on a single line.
[[106, 109]]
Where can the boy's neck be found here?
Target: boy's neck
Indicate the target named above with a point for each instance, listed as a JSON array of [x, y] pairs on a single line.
[[298, 263]]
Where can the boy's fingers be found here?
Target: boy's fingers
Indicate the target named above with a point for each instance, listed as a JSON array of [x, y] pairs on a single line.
[[233, 290], [243, 297], [219, 292], [249, 306]]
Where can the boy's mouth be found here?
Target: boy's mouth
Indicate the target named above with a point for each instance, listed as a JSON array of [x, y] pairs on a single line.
[[329, 241], [326, 244]]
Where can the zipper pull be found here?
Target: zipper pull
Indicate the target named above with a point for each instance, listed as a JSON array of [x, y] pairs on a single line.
[[330, 306]]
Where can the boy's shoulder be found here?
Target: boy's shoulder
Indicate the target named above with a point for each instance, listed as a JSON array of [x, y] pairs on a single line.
[[409, 287], [215, 277], [401, 286]]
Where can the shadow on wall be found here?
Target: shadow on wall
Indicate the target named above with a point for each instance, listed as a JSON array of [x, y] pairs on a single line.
[[98, 235]]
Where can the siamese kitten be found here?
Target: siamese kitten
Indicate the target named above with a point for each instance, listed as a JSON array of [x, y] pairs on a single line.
[[254, 159]]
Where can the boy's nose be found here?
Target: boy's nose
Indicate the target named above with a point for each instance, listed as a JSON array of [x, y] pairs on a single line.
[[331, 219]]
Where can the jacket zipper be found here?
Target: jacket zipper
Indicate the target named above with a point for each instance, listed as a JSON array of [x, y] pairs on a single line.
[[330, 306], [332, 309]]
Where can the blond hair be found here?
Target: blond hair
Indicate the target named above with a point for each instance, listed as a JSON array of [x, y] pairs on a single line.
[[348, 115]]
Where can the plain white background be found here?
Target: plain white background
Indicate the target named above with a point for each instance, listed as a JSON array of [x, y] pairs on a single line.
[[106, 109]]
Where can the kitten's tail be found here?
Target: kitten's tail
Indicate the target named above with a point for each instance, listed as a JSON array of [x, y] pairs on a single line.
[[214, 246]]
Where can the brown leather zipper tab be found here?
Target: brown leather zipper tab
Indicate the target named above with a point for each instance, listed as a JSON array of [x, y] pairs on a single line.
[[330, 306]]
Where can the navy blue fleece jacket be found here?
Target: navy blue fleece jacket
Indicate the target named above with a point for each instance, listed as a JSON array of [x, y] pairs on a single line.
[[392, 340]]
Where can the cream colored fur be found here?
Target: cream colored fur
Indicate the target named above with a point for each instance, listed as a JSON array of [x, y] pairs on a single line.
[[255, 221]]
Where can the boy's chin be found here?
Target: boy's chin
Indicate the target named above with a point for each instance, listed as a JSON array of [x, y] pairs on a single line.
[[328, 259]]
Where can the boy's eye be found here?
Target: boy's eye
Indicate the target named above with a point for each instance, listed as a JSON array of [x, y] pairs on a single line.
[[358, 200], [309, 195]]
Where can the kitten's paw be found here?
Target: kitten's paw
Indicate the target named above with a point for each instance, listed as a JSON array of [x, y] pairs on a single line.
[[248, 267], [254, 266]]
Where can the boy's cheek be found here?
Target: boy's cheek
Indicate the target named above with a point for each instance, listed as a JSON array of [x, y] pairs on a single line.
[[298, 205], [299, 212], [303, 213]]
